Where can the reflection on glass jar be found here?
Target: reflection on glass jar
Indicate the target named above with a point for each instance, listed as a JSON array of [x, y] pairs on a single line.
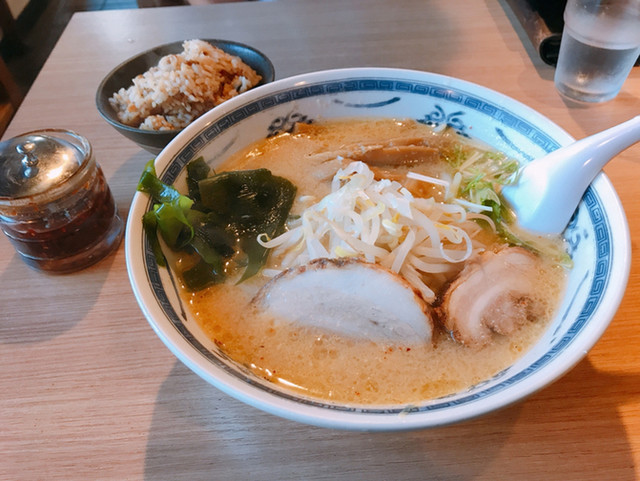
[[56, 207]]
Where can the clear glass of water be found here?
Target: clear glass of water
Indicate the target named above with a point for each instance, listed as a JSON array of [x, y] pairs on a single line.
[[600, 44]]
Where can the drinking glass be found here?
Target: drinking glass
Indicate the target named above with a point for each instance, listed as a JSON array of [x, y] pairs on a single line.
[[600, 44]]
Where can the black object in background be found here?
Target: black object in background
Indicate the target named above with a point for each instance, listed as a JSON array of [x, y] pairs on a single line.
[[543, 22]]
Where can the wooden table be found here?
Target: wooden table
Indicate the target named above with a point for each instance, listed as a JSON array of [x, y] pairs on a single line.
[[87, 391]]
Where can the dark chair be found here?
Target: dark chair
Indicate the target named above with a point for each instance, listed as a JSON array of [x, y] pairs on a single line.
[[8, 86]]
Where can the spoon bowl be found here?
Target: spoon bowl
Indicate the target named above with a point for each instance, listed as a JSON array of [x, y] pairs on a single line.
[[547, 191]]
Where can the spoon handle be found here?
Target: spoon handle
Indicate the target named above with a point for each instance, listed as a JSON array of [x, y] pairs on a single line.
[[549, 189], [594, 152]]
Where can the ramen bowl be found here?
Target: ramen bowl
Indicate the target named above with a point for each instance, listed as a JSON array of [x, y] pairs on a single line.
[[121, 77], [597, 237]]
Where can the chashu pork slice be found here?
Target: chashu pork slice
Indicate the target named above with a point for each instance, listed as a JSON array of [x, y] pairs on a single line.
[[349, 297], [497, 292]]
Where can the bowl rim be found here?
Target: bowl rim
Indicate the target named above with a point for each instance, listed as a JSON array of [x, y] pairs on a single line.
[[353, 420], [216, 42]]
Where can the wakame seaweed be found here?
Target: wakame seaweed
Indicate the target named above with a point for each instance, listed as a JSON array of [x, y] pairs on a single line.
[[196, 171], [223, 213], [252, 202]]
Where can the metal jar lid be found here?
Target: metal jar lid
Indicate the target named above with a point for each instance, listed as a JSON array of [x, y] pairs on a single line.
[[35, 162]]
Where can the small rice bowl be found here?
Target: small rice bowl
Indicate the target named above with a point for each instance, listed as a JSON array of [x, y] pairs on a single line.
[[182, 87]]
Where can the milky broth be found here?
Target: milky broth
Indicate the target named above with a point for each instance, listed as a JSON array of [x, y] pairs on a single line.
[[323, 365]]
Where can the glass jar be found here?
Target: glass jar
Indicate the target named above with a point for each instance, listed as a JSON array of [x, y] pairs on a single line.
[[56, 207]]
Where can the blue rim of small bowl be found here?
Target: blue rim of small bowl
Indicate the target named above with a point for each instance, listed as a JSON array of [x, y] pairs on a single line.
[[327, 414]]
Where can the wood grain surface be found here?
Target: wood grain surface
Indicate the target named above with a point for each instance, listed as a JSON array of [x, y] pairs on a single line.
[[87, 390]]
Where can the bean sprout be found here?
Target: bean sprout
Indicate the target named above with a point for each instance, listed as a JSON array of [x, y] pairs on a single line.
[[382, 222]]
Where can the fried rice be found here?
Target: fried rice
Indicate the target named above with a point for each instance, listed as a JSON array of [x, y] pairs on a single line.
[[182, 87]]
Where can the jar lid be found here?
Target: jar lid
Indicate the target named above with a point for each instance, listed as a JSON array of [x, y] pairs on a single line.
[[34, 162]]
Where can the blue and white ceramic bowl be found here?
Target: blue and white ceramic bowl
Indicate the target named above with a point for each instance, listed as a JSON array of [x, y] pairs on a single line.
[[598, 235]]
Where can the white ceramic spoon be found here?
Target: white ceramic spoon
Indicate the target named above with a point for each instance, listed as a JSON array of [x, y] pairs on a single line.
[[547, 190]]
